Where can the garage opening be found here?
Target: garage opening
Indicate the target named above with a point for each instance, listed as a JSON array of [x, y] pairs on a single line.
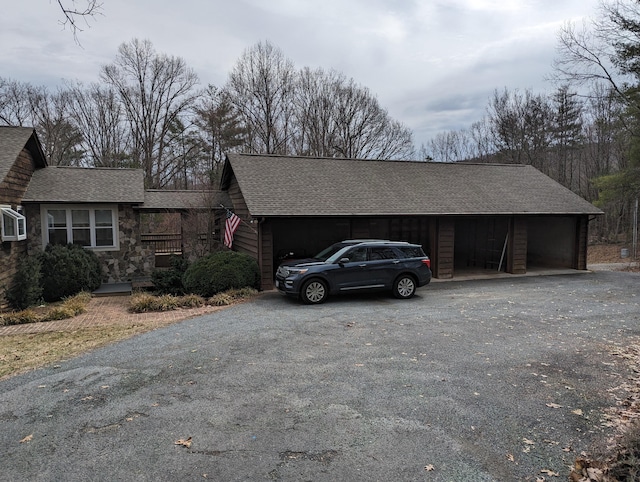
[[551, 242], [298, 238], [480, 244]]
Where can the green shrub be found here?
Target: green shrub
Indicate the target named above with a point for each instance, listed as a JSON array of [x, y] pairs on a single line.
[[169, 281], [26, 289], [221, 271], [68, 270]]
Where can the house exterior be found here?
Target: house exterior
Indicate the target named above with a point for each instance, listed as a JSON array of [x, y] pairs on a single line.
[[98, 208], [20, 156], [466, 216], [94, 207]]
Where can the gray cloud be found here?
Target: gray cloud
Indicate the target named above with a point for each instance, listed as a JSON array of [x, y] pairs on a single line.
[[432, 64]]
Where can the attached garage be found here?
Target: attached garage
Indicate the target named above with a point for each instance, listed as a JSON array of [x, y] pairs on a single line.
[[466, 216]]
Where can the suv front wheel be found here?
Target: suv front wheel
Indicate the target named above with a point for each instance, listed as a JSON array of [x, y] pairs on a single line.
[[404, 287], [314, 291]]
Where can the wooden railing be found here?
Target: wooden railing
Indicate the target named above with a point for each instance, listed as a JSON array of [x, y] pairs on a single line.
[[164, 243]]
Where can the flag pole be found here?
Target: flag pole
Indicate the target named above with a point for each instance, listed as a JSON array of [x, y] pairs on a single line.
[[242, 221]]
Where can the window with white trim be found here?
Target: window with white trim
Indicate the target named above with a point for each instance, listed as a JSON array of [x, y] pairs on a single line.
[[13, 226], [95, 227]]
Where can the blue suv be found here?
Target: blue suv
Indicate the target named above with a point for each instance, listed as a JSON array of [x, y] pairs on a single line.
[[356, 265]]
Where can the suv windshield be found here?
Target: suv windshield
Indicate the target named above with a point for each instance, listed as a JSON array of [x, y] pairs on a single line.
[[325, 254]]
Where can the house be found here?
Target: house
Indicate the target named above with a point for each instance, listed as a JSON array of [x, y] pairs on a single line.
[[98, 208], [20, 155], [510, 217]]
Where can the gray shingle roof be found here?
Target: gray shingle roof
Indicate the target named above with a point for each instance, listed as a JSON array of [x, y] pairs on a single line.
[[301, 186], [12, 141], [164, 199], [86, 185]]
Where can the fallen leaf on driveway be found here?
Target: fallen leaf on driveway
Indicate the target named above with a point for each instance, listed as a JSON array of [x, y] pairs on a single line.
[[184, 442], [550, 473], [553, 405], [511, 458], [429, 468], [28, 438], [528, 442], [577, 412]]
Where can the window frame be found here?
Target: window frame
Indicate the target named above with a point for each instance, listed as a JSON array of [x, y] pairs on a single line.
[[19, 220], [93, 226]]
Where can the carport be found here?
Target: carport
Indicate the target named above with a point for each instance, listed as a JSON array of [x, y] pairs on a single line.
[[466, 216]]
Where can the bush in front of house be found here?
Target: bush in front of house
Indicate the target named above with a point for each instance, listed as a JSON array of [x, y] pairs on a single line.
[[221, 271], [169, 281], [67, 270], [26, 289]]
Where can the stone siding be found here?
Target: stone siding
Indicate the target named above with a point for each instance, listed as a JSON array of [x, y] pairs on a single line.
[[134, 260]]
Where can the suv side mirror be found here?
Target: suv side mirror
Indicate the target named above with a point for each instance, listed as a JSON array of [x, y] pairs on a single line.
[[343, 261]]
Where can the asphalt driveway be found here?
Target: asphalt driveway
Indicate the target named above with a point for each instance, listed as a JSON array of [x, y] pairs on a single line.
[[481, 380]]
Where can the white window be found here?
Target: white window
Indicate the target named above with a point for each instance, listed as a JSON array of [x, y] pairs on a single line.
[[13, 226], [92, 227]]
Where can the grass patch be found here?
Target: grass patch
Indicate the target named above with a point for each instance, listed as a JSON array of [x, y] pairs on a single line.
[[62, 310], [143, 302], [21, 353]]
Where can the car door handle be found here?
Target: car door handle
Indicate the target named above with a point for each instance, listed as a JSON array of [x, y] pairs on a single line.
[[396, 261], [364, 265]]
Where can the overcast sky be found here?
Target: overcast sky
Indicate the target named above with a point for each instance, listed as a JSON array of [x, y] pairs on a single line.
[[433, 64]]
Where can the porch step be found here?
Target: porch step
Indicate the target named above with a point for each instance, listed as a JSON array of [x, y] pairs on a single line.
[[113, 289]]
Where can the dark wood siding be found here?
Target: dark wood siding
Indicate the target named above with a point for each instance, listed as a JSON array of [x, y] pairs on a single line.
[[582, 235], [265, 259], [444, 248], [517, 246], [12, 188], [245, 239], [14, 185]]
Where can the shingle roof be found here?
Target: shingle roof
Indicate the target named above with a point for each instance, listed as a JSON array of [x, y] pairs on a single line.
[[164, 199], [12, 141], [86, 185], [302, 186]]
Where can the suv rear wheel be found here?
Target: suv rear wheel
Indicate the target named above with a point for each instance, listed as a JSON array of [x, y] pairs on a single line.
[[314, 291], [404, 286]]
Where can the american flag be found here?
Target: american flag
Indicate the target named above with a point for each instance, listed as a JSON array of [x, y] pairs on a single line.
[[230, 227]]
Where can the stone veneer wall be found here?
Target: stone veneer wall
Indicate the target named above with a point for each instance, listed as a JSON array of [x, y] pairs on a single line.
[[133, 262]]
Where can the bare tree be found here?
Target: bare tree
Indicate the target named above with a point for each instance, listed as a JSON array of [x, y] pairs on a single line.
[[61, 140], [363, 129], [261, 88], [99, 116], [156, 91], [520, 127], [15, 108], [314, 99], [73, 13]]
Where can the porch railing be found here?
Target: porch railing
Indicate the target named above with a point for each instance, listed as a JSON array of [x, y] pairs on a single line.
[[164, 243]]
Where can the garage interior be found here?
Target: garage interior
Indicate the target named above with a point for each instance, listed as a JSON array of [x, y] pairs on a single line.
[[480, 243]]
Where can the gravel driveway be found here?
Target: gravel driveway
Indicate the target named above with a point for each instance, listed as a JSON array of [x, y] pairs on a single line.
[[480, 380]]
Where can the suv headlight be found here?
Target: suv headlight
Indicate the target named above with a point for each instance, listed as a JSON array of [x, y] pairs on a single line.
[[296, 271]]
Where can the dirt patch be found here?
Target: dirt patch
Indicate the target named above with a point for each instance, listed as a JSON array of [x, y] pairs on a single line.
[[606, 253]]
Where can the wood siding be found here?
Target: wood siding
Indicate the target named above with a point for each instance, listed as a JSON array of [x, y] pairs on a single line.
[[245, 239], [582, 238], [444, 248], [14, 185], [265, 260], [12, 188], [517, 246]]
